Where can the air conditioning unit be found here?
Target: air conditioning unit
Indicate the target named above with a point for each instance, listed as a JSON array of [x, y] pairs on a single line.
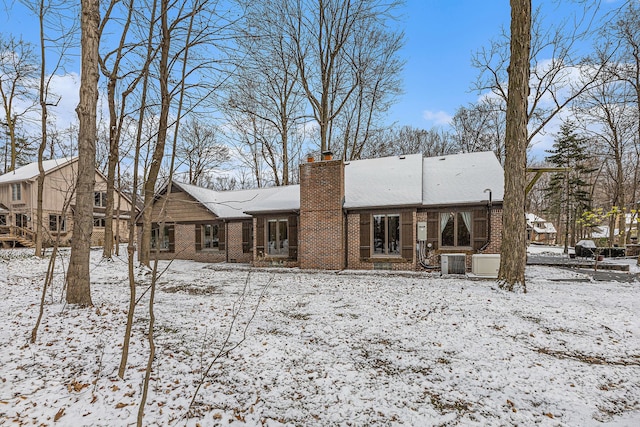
[[453, 264], [485, 265]]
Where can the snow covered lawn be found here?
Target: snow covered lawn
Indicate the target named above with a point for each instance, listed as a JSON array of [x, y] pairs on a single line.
[[354, 348]]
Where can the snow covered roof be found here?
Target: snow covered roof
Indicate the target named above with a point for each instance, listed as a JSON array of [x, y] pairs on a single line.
[[531, 218], [540, 225], [387, 181], [277, 199], [374, 183], [3, 209], [462, 179], [235, 204], [30, 171]]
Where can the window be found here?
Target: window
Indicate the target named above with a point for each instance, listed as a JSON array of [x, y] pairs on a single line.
[[57, 223], [386, 235], [100, 199], [99, 222], [455, 229], [277, 237], [161, 239], [16, 192], [3, 220], [21, 220], [210, 237]]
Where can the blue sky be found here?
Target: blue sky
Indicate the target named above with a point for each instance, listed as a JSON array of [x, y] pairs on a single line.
[[441, 36]]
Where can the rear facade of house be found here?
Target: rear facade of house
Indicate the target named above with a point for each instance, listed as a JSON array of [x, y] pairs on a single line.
[[394, 213]]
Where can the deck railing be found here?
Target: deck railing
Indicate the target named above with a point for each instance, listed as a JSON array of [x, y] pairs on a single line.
[[14, 230]]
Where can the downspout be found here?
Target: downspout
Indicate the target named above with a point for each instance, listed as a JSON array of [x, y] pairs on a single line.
[[345, 236], [226, 240], [489, 209]]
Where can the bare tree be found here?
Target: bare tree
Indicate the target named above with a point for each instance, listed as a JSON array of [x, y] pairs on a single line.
[[325, 35], [378, 84], [480, 127], [131, 247], [17, 72], [199, 148], [78, 276], [57, 31], [265, 90], [610, 121], [625, 33], [558, 73], [110, 65], [187, 76], [514, 251], [410, 140]]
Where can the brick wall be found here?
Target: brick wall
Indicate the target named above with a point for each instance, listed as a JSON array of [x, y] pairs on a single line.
[[496, 232], [391, 263], [433, 256], [185, 247], [234, 243], [353, 242], [322, 223]]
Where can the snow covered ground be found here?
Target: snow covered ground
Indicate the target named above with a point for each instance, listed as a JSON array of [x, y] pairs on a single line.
[[322, 348]]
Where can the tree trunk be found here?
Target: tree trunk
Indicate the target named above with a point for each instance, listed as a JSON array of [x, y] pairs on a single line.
[[43, 135], [514, 251], [78, 280], [158, 153]]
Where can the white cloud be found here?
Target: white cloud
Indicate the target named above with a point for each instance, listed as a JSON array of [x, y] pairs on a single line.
[[438, 117], [62, 103], [66, 88]]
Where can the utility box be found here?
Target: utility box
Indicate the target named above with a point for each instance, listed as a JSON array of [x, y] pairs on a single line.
[[422, 231], [453, 264], [485, 265]]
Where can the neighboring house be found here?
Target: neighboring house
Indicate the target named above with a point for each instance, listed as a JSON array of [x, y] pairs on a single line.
[[631, 226], [539, 230], [18, 205], [389, 213]]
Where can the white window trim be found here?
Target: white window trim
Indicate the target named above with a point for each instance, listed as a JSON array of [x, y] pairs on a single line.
[[16, 192]]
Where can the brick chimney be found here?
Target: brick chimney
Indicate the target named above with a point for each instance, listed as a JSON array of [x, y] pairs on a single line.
[[321, 244]]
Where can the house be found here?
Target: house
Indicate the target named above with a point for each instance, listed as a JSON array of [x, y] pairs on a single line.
[[396, 213], [539, 230], [18, 205], [631, 226]]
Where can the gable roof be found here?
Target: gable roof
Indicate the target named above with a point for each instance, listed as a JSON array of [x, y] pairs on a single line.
[[386, 181], [462, 179], [396, 181], [30, 171], [235, 204], [534, 222]]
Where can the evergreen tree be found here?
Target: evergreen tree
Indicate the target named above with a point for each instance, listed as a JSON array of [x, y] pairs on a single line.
[[568, 192]]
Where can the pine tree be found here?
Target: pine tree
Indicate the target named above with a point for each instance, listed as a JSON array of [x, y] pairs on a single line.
[[568, 192]]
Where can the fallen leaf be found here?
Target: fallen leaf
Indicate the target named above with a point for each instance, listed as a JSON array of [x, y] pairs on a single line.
[[58, 415], [120, 405], [549, 414]]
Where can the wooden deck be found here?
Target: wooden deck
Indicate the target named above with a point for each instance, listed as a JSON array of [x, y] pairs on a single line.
[[11, 236]]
